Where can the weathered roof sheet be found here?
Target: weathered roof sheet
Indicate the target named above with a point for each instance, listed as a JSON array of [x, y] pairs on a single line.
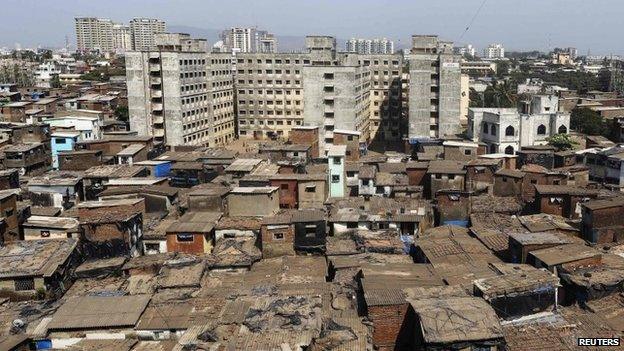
[[450, 320], [34, 257], [101, 312]]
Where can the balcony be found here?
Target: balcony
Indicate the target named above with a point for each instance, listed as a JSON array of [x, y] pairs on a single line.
[[155, 80], [329, 134], [159, 133], [158, 120], [154, 67], [157, 107], [156, 93]]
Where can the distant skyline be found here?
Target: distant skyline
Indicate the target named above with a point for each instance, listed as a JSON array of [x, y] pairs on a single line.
[[518, 25]]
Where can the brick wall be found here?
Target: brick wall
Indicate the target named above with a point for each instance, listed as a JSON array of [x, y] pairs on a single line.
[[507, 186], [391, 326], [191, 247], [287, 192], [353, 145], [272, 246], [306, 137], [416, 176]]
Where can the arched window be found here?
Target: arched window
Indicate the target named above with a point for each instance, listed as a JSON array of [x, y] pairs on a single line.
[[509, 150], [541, 130], [562, 130], [493, 130], [493, 149], [485, 128], [510, 131]]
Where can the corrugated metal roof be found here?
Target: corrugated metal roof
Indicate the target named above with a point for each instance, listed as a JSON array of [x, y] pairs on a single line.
[[89, 312]]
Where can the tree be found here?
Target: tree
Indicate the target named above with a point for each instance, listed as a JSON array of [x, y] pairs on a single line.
[[500, 94], [561, 142], [475, 98], [55, 82], [588, 121], [121, 113]]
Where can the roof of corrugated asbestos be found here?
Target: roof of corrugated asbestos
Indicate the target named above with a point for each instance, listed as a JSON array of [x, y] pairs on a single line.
[[89, 312]]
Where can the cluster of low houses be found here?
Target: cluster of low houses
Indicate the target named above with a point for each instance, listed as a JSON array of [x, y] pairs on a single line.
[[131, 245]]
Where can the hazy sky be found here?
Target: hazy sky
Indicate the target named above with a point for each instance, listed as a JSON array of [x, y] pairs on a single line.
[[518, 24]]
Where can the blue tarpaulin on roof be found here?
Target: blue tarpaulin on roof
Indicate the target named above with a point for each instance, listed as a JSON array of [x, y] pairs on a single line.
[[457, 223]]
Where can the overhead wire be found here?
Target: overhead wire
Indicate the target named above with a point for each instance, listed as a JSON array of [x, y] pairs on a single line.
[[472, 20]]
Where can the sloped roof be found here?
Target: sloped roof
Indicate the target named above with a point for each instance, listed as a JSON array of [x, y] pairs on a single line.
[[101, 312], [450, 320]]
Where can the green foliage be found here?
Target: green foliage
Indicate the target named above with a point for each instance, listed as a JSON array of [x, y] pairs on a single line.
[[476, 100], [121, 113], [502, 68], [588, 121], [562, 142], [55, 82], [500, 94], [103, 74], [578, 81]]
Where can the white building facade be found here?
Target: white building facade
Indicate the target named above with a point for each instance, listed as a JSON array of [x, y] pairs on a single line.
[[507, 130], [494, 51]]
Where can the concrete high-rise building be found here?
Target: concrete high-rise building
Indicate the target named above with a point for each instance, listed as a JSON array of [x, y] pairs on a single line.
[[94, 34], [248, 40], [335, 91], [179, 93], [370, 46], [143, 31], [122, 39], [435, 88], [467, 49], [494, 51]]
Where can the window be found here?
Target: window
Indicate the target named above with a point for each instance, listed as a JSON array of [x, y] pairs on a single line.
[[310, 188], [350, 137], [438, 176], [184, 238], [541, 130], [335, 179], [467, 152], [310, 231], [352, 225], [485, 128], [278, 236], [45, 233], [533, 181], [336, 160], [328, 76], [562, 130], [509, 150], [22, 284], [510, 131], [61, 141], [493, 130]]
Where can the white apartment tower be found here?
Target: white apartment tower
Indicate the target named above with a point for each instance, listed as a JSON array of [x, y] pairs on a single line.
[[494, 51], [248, 40], [94, 34], [179, 93], [370, 46], [122, 39], [143, 31]]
